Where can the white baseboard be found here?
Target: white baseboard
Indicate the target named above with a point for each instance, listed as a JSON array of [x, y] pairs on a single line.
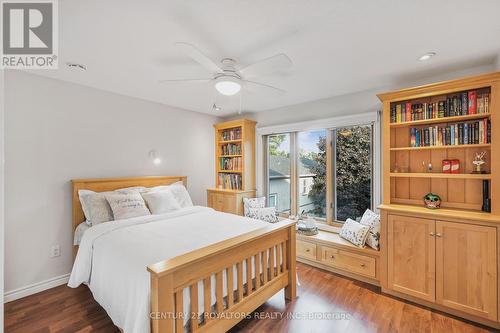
[[34, 288]]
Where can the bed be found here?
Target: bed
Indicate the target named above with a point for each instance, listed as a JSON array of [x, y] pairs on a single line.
[[192, 270]]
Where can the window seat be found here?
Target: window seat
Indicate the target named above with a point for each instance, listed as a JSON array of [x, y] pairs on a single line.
[[327, 250]]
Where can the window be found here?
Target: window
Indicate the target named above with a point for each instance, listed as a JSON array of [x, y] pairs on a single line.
[[322, 173], [312, 173], [353, 171], [279, 171], [273, 200]]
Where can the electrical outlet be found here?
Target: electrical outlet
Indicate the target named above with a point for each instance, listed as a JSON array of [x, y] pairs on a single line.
[[55, 251]]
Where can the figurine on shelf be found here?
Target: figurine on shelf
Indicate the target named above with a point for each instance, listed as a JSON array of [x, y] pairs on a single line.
[[479, 161], [432, 201]]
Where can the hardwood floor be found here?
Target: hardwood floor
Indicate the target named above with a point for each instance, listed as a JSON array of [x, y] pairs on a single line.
[[355, 307]]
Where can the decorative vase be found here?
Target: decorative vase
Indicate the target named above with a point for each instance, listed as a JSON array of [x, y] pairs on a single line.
[[432, 201]]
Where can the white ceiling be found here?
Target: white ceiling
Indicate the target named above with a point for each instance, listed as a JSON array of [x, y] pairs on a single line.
[[337, 47]]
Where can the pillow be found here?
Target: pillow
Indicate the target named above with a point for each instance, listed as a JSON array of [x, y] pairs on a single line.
[[253, 203], [125, 206], [139, 189], [372, 220], [160, 202], [354, 232], [266, 214], [95, 207], [179, 192]]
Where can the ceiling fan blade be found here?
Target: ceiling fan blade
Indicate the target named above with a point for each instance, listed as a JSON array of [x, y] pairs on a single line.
[[266, 66], [185, 81], [263, 85], [198, 56]]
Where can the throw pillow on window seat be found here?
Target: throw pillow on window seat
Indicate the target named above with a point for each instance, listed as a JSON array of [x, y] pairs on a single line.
[[354, 232], [372, 220]]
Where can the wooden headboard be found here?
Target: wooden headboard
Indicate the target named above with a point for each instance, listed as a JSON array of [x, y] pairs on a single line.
[[110, 184]]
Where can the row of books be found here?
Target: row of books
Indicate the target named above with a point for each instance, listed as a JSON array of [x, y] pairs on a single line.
[[230, 163], [231, 134], [230, 149], [465, 103], [477, 132], [230, 181]]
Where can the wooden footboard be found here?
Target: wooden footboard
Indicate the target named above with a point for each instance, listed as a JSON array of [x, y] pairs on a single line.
[[269, 247]]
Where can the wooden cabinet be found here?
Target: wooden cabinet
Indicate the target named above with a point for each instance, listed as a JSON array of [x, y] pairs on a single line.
[[328, 251], [411, 256], [448, 263], [466, 268], [228, 201]]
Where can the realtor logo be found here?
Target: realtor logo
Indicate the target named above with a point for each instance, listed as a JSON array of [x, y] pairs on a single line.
[[29, 34]]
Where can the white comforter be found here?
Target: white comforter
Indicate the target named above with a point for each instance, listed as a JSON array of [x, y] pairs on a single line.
[[113, 257]]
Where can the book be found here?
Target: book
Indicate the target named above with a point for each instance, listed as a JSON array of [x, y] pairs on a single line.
[[472, 102]]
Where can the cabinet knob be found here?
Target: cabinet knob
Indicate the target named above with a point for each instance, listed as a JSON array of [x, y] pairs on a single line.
[[439, 235], [432, 234], [307, 250], [332, 256], [363, 265]]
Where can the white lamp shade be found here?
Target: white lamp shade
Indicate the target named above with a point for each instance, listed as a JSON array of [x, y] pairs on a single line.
[[227, 86]]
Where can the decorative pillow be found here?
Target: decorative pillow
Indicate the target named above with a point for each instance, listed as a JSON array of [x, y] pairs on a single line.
[[160, 202], [372, 220], [253, 203], [125, 206], [95, 207], [267, 214], [181, 194], [354, 232]]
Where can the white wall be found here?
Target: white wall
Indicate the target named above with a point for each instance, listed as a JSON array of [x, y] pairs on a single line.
[[57, 131], [2, 168], [358, 102]]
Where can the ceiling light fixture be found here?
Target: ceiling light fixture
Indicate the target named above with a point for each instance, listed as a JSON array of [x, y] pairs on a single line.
[[227, 85], [427, 56], [76, 66]]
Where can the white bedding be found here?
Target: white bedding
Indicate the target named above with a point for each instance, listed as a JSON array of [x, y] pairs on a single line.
[[113, 257]]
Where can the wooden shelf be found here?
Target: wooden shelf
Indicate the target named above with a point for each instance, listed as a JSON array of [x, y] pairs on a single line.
[[440, 175], [441, 120], [229, 141], [230, 171], [482, 145], [230, 155]]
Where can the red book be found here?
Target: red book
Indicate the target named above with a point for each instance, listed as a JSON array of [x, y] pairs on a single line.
[[408, 111], [472, 102]]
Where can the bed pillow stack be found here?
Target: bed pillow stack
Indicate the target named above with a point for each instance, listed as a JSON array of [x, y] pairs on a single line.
[[366, 231], [99, 207]]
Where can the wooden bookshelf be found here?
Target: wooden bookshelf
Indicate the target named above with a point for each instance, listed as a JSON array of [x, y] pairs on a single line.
[[406, 178], [446, 258], [234, 165]]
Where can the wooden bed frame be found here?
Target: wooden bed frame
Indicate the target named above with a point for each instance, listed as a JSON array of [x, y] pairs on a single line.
[[270, 246]]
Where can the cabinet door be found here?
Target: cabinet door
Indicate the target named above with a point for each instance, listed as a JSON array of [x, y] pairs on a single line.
[[229, 203], [411, 256], [466, 268]]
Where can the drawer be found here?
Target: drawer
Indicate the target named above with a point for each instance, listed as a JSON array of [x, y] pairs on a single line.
[[352, 262], [306, 250]]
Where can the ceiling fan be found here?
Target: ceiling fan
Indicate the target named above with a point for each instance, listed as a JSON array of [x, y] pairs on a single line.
[[227, 78]]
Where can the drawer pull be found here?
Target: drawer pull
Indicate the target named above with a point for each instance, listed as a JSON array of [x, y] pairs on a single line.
[[332, 256], [439, 235], [308, 250], [432, 234], [363, 265]]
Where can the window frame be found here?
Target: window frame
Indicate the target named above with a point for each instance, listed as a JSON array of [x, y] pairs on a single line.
[[330, 124]]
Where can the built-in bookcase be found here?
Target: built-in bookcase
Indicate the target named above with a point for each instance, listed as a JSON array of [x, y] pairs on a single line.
[[235, 153], [447, 121]]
